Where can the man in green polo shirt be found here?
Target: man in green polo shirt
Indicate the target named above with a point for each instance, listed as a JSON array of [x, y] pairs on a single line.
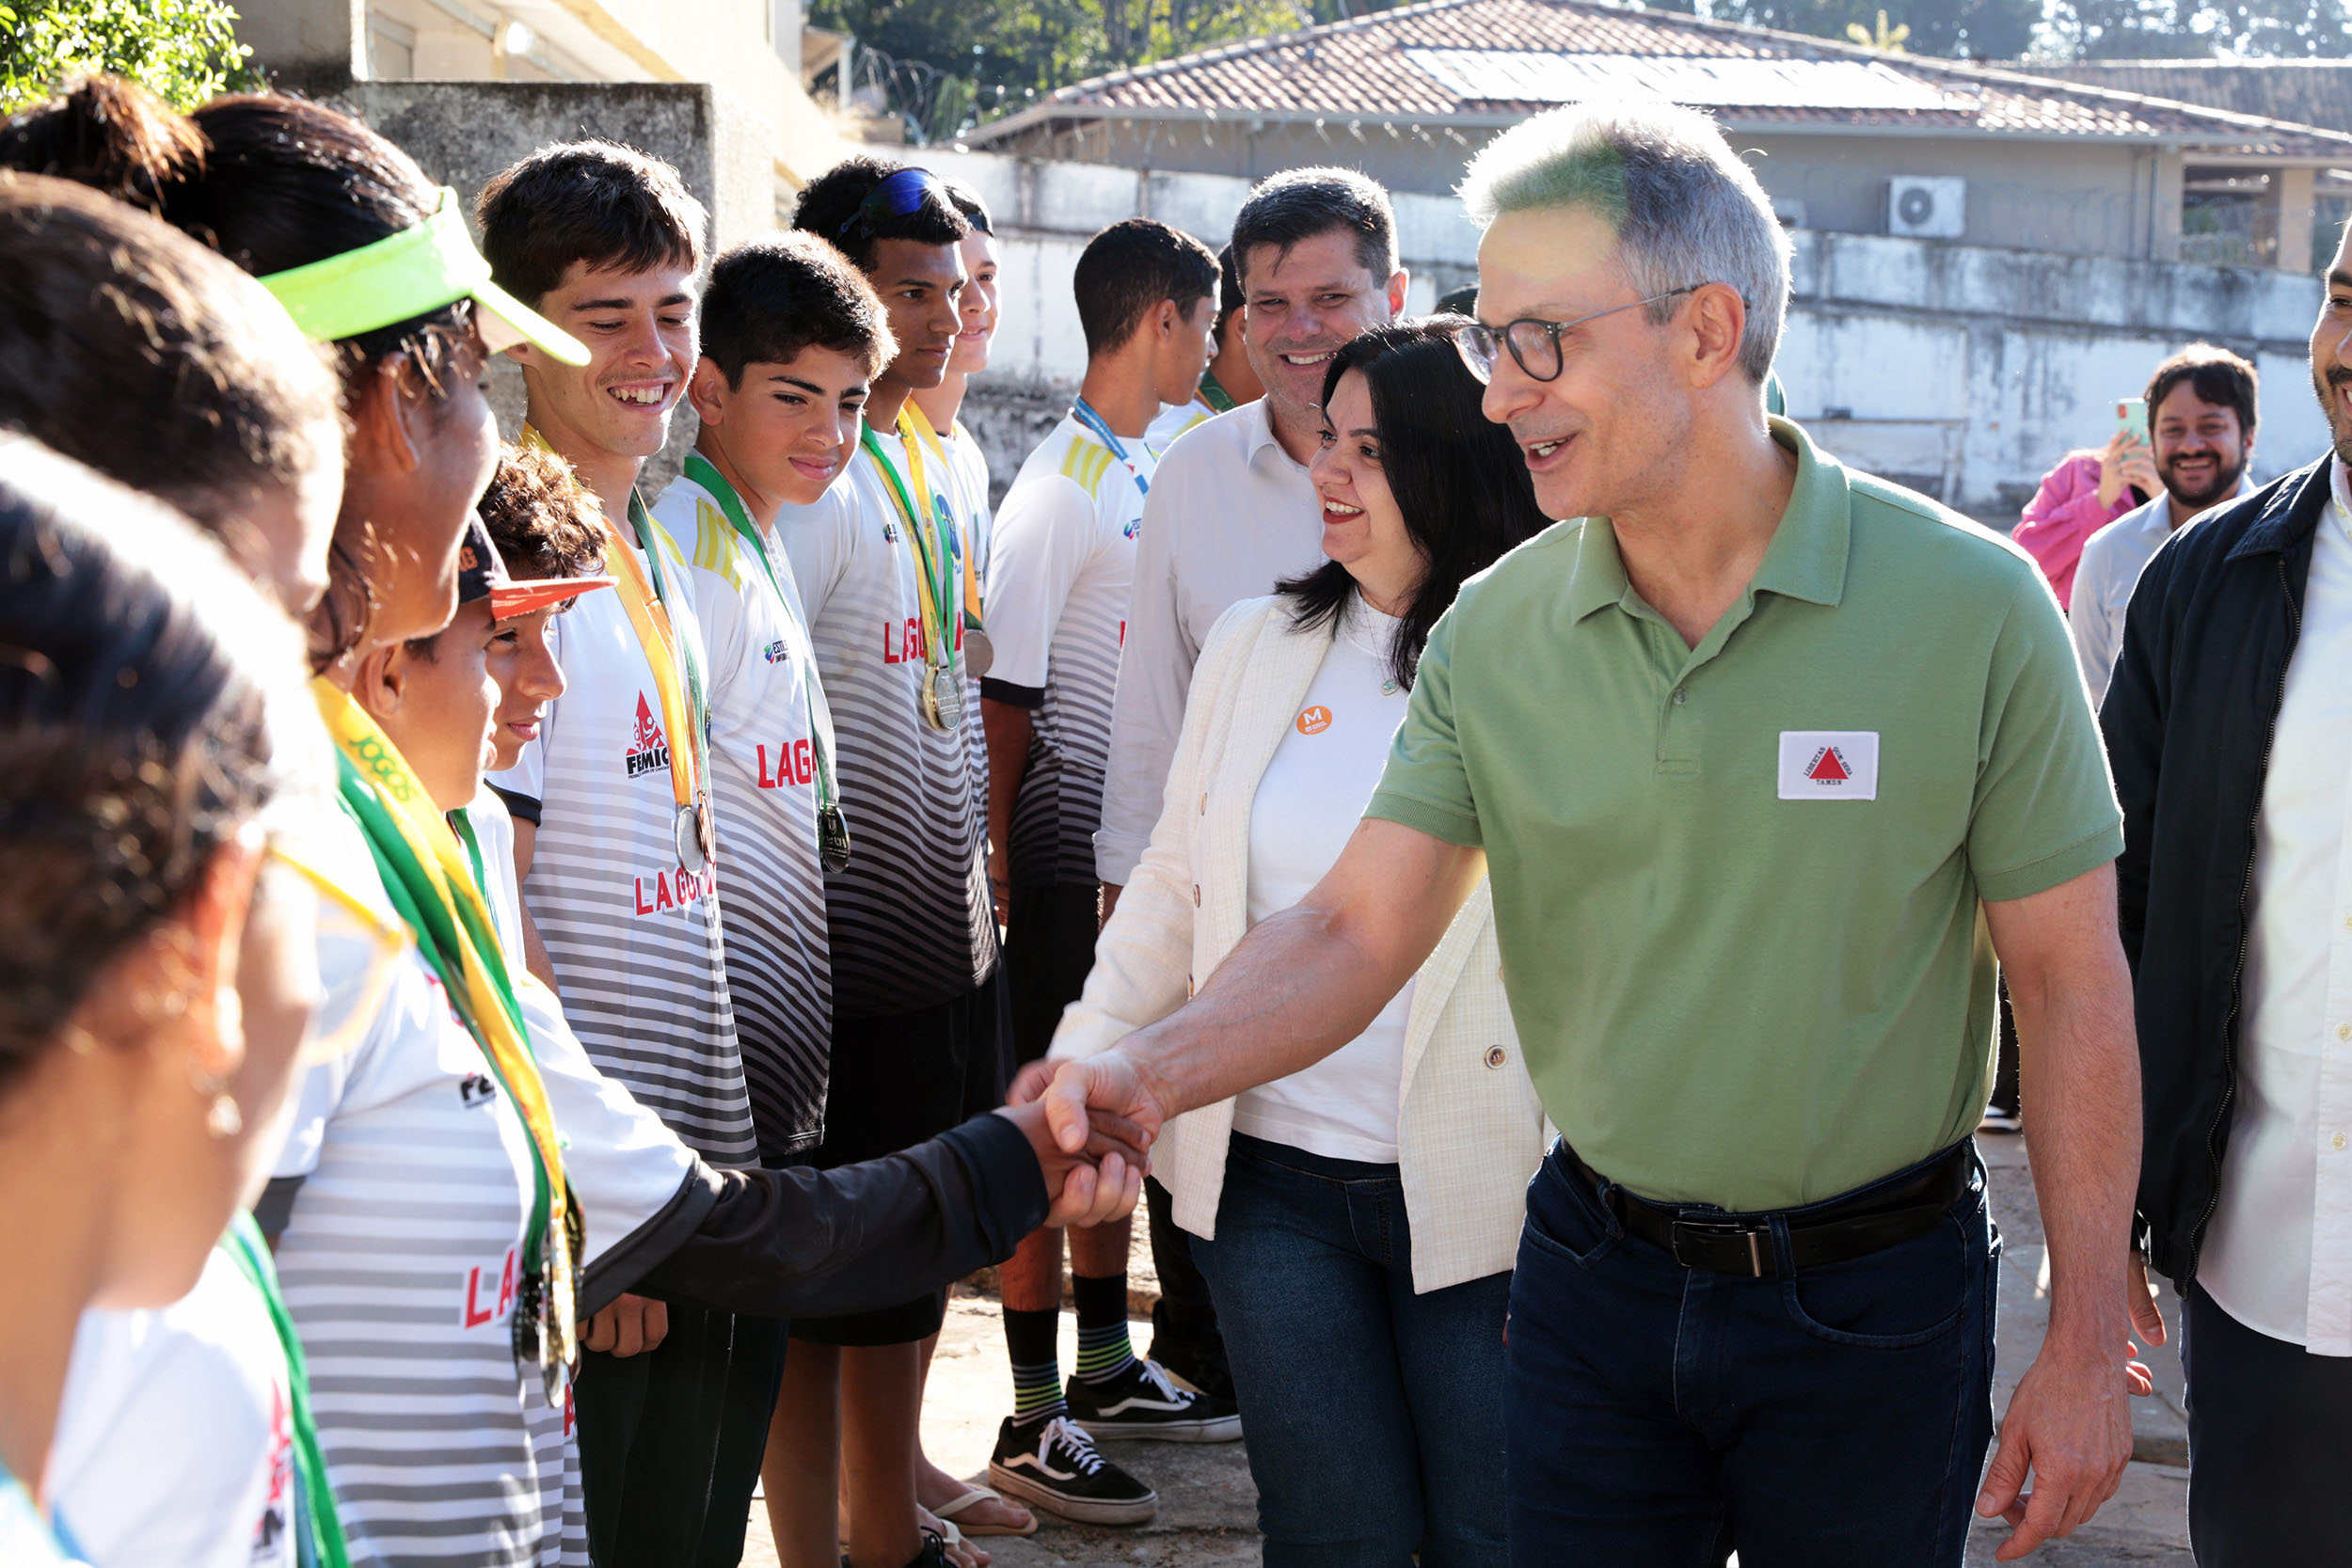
[[1767, 759]]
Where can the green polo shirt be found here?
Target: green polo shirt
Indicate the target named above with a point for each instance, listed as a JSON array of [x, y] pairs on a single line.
[[1737, 885]]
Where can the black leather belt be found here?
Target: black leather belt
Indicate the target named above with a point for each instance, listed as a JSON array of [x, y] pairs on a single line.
[[1818, 1234]]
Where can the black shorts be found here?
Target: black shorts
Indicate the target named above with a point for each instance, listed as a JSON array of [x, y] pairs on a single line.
[[1049, 951], [900, 1079]]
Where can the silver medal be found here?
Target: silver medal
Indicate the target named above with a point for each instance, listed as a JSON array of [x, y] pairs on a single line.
[[690, 834]]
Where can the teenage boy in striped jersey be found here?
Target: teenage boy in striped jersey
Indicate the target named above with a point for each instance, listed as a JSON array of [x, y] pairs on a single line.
[[615, 837], [918, 1021], [1147, 296]]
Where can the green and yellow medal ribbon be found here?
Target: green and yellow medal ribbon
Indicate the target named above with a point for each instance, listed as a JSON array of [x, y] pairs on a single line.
[[428, 880], [1213, 392], [912, 414], [934, 567], [675, 665], [318, 1528], [705, 473]]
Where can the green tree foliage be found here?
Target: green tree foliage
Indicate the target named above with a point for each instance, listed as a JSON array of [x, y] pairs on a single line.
[[1010, 51], [2193, 29], [2063, 29], [1971, 29], [184, 51]]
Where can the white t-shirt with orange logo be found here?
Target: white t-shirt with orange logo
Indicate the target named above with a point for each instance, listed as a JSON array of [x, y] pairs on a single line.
[[636, 941], [1308, 803]]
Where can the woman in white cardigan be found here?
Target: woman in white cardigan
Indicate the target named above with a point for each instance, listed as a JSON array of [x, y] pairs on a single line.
[[1356, 1221]]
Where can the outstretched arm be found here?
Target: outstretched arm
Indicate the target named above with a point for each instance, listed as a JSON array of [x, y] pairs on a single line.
[[805, 1242], [2070, 1421], [1299, 986]]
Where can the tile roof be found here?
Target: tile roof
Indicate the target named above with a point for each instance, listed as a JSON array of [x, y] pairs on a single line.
[[1493, 61], [2308, 92]]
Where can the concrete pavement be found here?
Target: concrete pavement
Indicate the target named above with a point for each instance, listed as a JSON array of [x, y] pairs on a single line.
[[1207, 1516]]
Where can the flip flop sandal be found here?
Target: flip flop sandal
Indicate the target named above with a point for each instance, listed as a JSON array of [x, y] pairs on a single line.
[[973, 1498]]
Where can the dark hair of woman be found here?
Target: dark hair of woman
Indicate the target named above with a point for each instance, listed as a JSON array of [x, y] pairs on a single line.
[[1458, 477], [271, 182], [136, 665], [111, 321]]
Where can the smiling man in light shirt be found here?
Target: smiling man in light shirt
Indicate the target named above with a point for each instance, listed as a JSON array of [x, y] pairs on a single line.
[[2201, 427], [1231, 510], [2228, 724]]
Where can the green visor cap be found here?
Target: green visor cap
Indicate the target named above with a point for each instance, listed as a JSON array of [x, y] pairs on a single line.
[[403, 276]]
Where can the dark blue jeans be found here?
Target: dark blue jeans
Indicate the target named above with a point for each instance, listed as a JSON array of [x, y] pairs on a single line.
[[2269, 1425], [1374, 1415], [1659, 1417]]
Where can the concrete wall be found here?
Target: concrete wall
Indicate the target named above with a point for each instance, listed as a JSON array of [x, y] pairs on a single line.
[[1964, 370], [2077, 197]]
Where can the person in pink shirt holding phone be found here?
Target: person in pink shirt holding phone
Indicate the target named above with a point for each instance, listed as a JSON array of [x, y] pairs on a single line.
[[2086, 492]]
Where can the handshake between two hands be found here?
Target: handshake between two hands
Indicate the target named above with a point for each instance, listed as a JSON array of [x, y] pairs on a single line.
[[1091, 1122]]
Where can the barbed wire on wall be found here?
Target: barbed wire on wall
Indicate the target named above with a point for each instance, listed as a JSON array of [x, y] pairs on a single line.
[[934, 106]]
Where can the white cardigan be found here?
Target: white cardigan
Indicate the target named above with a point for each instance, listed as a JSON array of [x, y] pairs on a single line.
[[1470, 1130]]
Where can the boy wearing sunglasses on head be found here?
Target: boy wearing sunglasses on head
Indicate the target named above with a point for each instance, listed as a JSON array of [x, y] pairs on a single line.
[[918, 1028]]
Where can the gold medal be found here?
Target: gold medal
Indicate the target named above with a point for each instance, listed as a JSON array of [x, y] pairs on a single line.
[[942, 697]]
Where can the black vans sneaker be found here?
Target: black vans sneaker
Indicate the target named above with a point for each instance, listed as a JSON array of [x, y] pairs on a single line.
[[1142, 1403], [1054, 1466]]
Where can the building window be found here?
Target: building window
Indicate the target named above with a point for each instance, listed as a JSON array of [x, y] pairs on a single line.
[[2228, 219]]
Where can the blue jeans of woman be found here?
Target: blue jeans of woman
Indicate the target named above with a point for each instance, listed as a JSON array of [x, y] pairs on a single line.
[[1373, 1414]]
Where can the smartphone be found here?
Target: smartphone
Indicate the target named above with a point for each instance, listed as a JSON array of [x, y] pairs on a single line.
[[2131, 417]]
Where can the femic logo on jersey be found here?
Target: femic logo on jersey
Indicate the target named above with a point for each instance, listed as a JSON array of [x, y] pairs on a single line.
[[647, 750]]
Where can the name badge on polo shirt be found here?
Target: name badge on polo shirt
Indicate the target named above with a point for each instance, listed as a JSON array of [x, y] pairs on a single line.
[[1829, 764]]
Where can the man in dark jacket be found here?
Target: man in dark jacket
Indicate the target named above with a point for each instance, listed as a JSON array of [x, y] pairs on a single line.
[[2229, 725]]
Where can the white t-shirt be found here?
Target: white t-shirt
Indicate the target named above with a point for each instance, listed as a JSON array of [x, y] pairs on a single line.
[[1308, 803], [1173, 419], [399, 1264], [1229, 516], [175, 1436], [2112, 559], [623, 1166], [635, 939], [766, 716], [26, 1539], [1064, 564], [910, 919]]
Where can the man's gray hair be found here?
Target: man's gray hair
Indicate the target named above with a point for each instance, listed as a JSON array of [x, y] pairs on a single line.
[[1685, 207]]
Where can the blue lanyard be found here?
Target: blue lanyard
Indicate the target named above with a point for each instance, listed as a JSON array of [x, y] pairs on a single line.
[[1083, 413]]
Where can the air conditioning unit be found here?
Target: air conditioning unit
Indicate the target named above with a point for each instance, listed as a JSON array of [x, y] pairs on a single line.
[[1927, 207]]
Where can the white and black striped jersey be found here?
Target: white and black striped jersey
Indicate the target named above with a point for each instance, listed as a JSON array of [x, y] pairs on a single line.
[[910, 919], [765, 713], [1064, 562], [635, 938], [401, 1263]]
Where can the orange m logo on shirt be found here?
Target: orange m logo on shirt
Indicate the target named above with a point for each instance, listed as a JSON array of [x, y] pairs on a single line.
[[1314, 721]]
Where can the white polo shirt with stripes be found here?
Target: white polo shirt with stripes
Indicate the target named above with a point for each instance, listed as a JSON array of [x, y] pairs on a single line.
[[1065, 560], [763, 742], [636, 941], [911, 921]]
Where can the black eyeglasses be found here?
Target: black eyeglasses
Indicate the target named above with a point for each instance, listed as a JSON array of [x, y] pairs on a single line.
[[1534, 345], [899, 196]]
